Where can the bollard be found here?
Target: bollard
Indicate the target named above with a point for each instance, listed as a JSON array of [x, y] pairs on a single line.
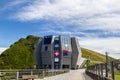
[[43, 74]]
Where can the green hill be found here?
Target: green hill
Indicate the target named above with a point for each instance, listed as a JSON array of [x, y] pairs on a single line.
[[94, 57], [20, 54]]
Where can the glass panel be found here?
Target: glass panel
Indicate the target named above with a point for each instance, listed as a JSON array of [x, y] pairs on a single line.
[[56, 45], [56, 59], [56, 49], [56, 38], [65, 52], [66, 45], [47, 39], [56, 65], [65, 39], [46, 48]]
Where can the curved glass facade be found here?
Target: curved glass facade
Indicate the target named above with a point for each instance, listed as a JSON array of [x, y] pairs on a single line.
[[66, 45], [56, 53]]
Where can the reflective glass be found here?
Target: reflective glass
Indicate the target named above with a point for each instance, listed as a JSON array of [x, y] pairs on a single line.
[[47, 39], [66, 42], [56, 45], [56, 59]]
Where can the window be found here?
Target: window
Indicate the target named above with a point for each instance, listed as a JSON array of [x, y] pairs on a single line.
[[56, 65], [66, 42], [56, 48], [65, 52], [56, 59], [56, 38], [66, 46], [46, 48], [65, 66], [56, 45], [56, 42], [66, 39], [47, 39]]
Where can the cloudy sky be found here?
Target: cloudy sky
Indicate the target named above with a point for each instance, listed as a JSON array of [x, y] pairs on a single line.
[[95, 22]]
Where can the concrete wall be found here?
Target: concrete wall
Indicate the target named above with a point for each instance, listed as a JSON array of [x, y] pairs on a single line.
[[37, 53], [47, 56], [76, 54]]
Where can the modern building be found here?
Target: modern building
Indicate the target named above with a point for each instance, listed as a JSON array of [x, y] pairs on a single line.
[[62, 52]]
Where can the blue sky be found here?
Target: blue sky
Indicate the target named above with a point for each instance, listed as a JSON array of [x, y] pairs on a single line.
[[96, 23]]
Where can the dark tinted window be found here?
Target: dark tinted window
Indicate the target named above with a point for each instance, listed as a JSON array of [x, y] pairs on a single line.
[[56, 48], [46, 48], [56, 65], [56, 41], [47, 39], [65, 66]]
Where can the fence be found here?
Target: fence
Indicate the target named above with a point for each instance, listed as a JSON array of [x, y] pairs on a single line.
[[26, 74], [104, 71]]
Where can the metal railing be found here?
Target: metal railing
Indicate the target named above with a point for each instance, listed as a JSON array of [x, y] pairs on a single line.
[[26, 74]]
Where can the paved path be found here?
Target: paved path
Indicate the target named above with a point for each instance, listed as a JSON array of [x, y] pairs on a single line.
[[72, 75]]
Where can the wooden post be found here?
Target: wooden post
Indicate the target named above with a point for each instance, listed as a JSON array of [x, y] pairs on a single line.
[[112, 70], [106, 66]]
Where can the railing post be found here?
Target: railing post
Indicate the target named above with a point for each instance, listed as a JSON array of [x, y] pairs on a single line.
[[17, 76], [112, 70], [106, 66], [43, 74]]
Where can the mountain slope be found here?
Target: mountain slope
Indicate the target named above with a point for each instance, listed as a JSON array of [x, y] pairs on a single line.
[[94, 56], [21, 54]]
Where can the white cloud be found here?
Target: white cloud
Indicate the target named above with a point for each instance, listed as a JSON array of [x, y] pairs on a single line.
[[12, 4], [111, 45], [103, 15], [106, 22], [92, 14], [2, 49]]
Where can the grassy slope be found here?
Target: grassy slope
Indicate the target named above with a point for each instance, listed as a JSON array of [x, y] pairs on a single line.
[[20, 54], [94, 56]]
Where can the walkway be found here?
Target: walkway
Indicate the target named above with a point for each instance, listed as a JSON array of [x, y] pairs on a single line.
[[72, 75]]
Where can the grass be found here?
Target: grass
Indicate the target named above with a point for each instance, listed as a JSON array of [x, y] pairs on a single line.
[[95, 57], [117, 77], [117, 74]]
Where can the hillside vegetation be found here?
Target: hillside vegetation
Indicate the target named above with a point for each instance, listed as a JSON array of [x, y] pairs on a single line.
[[94, 57], [21, 54]]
